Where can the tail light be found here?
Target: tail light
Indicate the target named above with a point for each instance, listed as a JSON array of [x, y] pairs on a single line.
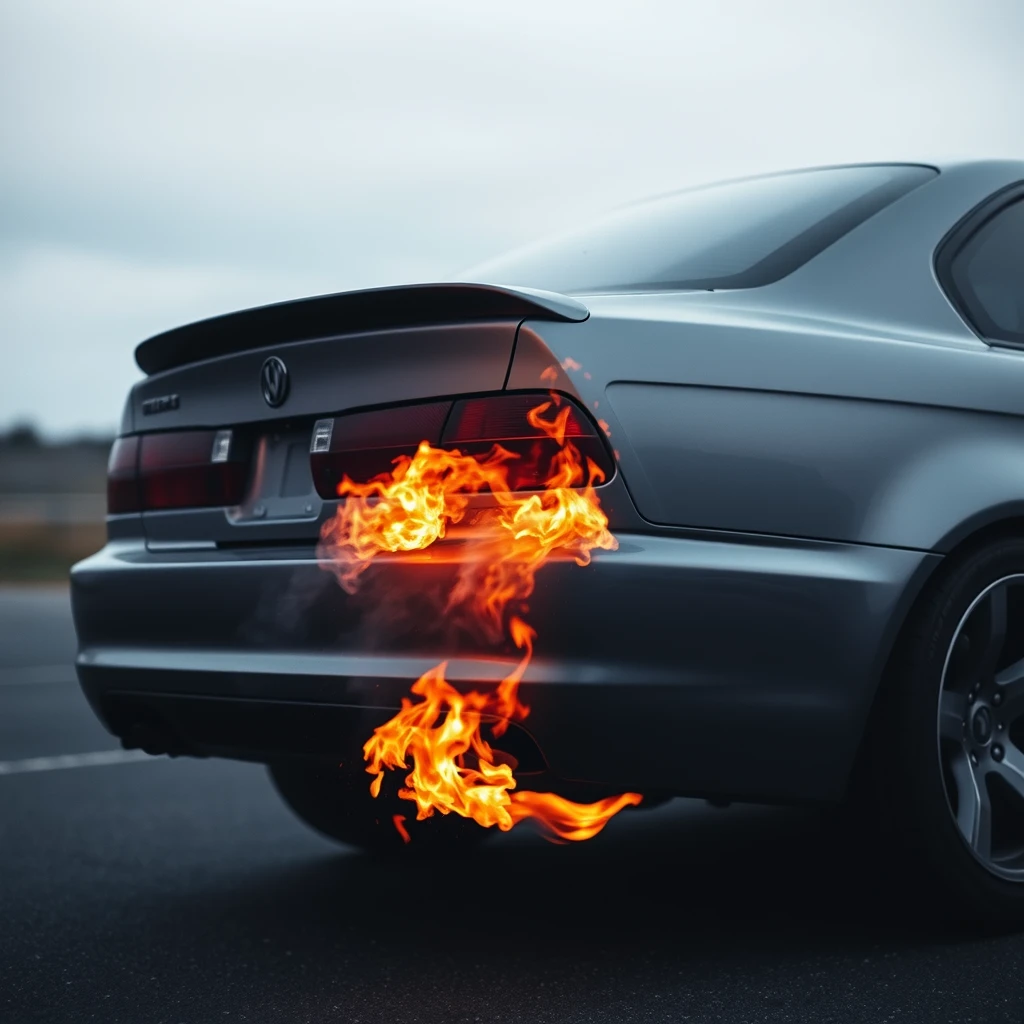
[[477, 424], [363, 445], [187, 469], [123, 476]]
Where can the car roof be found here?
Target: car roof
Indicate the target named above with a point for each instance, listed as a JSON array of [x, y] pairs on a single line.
[[878, 277], [884, 269]]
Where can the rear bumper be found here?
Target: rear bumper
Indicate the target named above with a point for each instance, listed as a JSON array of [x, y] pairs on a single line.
[[742, 667]]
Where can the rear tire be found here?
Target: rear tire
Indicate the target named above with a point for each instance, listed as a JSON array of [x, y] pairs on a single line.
[[945, 772], [337, 803]]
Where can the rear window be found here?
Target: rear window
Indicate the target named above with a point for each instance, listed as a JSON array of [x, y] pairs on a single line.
[[740, 234], [989, 275]]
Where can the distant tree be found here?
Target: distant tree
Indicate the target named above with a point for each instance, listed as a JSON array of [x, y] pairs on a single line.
[[21, 435]]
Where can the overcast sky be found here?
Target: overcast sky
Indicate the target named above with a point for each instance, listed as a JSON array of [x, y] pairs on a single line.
[[161, 162]]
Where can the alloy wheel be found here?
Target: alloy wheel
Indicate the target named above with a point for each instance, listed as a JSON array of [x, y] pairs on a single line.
[[980, 727]]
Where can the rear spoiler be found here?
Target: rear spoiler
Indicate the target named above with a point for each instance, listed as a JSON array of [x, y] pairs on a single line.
[[347, 313]]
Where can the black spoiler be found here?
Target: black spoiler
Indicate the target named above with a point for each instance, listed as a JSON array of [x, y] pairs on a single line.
[[347, 313]]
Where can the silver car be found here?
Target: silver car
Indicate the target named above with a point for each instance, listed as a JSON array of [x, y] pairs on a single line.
[[807, 393]]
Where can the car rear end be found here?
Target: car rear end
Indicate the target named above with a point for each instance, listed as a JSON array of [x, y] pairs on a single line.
[[718, 651], [209, 624]]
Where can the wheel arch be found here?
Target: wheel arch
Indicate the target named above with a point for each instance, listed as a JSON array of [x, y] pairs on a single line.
[[990, 526], [1003, 520]]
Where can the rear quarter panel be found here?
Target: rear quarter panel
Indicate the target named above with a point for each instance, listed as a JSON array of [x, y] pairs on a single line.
[[738, 419], [735, 422]]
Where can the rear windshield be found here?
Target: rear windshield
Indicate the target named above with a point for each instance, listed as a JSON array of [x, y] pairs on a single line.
[[740, 234]]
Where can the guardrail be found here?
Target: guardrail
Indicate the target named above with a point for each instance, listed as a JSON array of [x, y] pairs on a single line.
[[56, 509]]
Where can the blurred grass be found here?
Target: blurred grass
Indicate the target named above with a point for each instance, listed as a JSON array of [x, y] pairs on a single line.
[[37, 552], [52, 503]]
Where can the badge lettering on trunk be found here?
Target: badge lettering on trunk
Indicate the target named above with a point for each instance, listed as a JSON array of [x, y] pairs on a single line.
[[164, 403]]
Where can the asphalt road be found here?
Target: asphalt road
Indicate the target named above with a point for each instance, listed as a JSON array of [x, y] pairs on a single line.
[[182, 891]]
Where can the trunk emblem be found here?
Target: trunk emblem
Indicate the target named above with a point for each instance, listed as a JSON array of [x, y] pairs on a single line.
[[274, 381]]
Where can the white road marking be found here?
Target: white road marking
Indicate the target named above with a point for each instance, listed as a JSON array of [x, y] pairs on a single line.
[[32, 674], [51, 764]]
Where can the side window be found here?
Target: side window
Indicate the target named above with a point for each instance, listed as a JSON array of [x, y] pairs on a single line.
[[988, 275]]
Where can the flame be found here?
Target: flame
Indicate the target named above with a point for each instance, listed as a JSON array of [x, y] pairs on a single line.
[[549, 375], [438, 739], [398, 820]]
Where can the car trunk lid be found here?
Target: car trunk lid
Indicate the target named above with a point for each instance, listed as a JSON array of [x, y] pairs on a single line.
[[254, 374]]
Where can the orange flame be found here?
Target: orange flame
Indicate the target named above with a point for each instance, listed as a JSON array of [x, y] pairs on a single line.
[[438, 739], [398, 820]]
